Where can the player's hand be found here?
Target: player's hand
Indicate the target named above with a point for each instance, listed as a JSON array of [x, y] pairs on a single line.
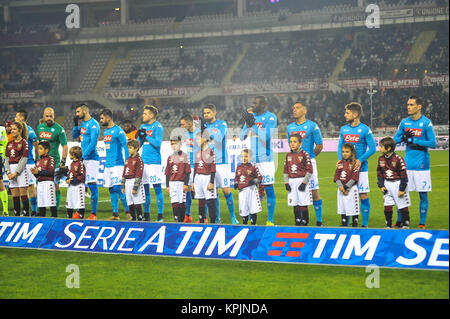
[[249, 119], [383, 190], [76, 120], [342, 189], [34, 170], [235, 185], [141, 133], [168, 190], [68, 181], [302, 187], [210, 187], [185, 188], [288, 187], [345, 192], [12, 175], [357, 165], [401, 194], [408, 137], [134, 191]]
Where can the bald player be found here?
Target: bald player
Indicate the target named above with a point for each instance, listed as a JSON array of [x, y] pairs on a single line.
[[54, 133]]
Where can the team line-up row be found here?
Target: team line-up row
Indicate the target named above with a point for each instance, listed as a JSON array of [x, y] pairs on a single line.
[[133, 163]]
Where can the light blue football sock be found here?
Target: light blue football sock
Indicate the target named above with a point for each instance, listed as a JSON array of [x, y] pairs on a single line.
[[148, 199], [423, 206], [94, 197], [365, 212], [230, 204], [188, 203], [271, 201], [318, 209], [114, 200], [159, 198]]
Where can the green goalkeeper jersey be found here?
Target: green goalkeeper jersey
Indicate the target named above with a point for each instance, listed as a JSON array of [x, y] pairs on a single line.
[[56, 136], [3, 141]]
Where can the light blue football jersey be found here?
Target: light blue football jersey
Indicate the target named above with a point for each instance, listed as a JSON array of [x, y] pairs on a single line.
[[115, 146], [310, 133], [89, 131], [151, 145]]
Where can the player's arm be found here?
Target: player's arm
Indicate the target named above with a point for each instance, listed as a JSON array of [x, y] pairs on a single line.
[[123, 143], [403, 175], [95, 132], [398, 137], [286, 176], [371, 147], [318, 140], [430, 137], [341, 142], [65, 148], [76, 132]]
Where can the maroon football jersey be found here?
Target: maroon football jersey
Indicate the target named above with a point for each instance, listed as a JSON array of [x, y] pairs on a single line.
[[205, 162], [16, 150], [78, 171], [391, 168], [345, 172], [245, 173], [134, 167], [46, 163], [177, 166], [297, 164]]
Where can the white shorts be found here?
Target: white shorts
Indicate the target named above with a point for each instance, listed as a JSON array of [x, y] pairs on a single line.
[[46, 194], [348, 204], [92, 168], [191, 177], [419, 181], [201, 187], [223, 175], [363, 182], [21, 180], [112, 176], [249, 201], [177, 195], [391, 198], [152, 174], [267, 170], [296, 197], [134, 199], [314, 181], [75, 196], [31, 177]]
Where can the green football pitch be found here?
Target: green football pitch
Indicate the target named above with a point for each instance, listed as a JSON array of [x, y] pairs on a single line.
[[42, 274]]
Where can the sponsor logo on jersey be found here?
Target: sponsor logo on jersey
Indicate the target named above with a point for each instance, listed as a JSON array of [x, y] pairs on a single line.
[[301, 133], [351, 138], [149, 133], [46, 135], [259, 124], [417, 131], [107, 138], [83, 130]]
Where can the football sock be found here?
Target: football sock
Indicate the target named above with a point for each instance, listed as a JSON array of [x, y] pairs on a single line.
[[175, 212], [148, 199], [16, 203], [304, 213], [81, 212], [230, 203], [271, 200], [26, 205], [159, 199], [355, 221], [201, 210], [58, 198], [423, 206], [405, 216], [42, 211], [188, 203], [181, 212], [388, 215], [54, 211], [69, 212], [122, 197], [297, 216], [217, 208], [253, 218], [318, 209], [344, 220], [4, 200], [33, 202], [94, 197], [244, 220], [114, 200], [132, 212], [211, 203], [138, 209], [365, 212]]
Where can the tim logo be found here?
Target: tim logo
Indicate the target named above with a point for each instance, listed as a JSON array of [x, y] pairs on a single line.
[[291, 240], [189, 141], [83, 130], [149, 133], [259, 124], [301, 133], [107, 138], [417, 131], [46, 135], [351, 138]]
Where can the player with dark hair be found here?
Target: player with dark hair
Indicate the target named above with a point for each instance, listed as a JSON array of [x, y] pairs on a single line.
[[361, 137], [22, 116], [88, 132], [116, 154], [417, 132], [393, 182], [45, 174], [150, 135], [218, 131], [312, 143], [298, 170], [261, 126]]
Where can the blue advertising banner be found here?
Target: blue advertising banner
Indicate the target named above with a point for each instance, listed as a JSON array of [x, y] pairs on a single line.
[[403, 248]]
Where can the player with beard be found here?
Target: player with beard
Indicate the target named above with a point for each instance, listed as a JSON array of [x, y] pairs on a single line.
[[54, 133], [88, 132], [417, 132], [116, 149], [150, 135], [361, 137], [261, 126], [312, 144]]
